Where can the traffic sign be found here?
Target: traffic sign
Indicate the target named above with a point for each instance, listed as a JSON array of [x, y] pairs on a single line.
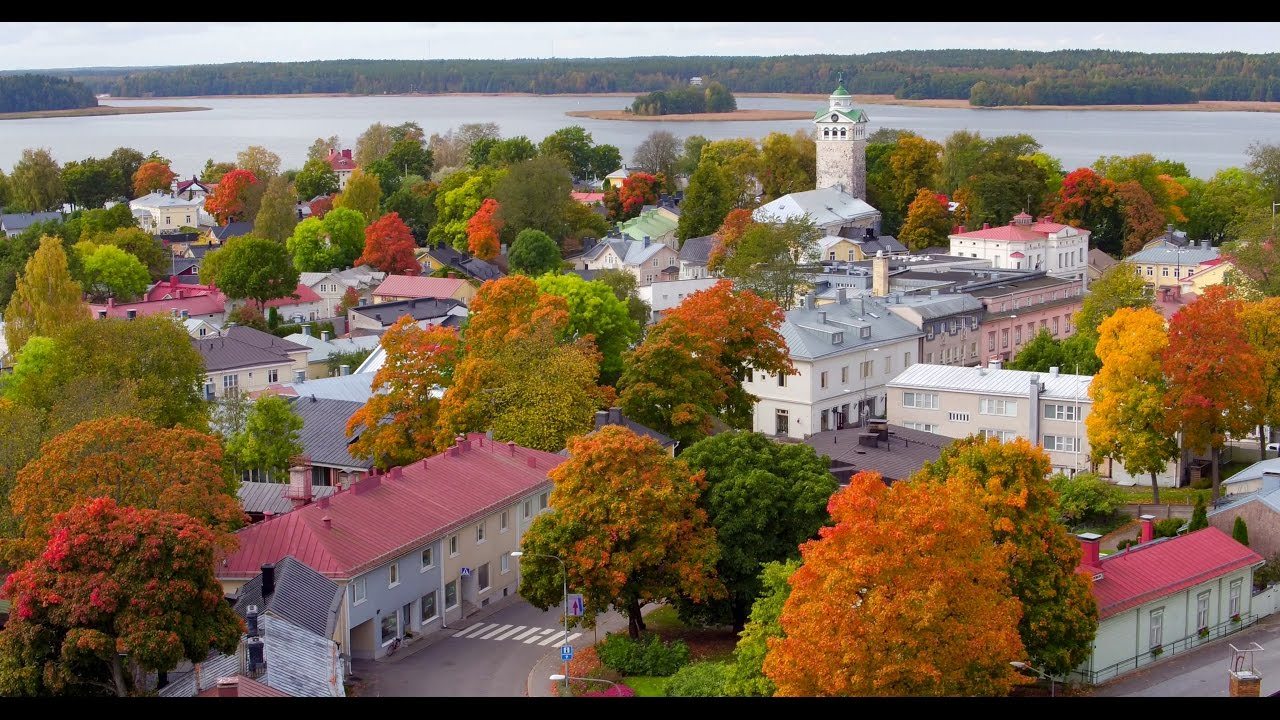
[[466, 572], [566, 653], [576, 606]]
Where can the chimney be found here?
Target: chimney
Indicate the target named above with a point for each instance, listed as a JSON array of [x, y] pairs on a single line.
[[1148, 528], [615, 416], [646, 241], [328, 522], [1053, 372], [810, 301], [842, 296], [251, 613], [994, 364], [182, 294], [228, 687], [256, 662], [868, 439], [324, 335], [531, 461], [511, 447], [987, 225], [880, 274], [822, 317], [344, 370], [602, 418], [300, 481], [111, 302], [306, 329], [1089, 545]]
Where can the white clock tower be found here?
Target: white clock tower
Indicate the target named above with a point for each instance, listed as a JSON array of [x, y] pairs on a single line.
[[842, 144]]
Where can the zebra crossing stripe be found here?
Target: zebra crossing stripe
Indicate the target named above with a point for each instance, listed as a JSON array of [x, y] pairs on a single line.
[[509, 633], [571, 637], [557, 635], [533, 638], [495, 632], [464, 632], [483, 630], [530, 631]]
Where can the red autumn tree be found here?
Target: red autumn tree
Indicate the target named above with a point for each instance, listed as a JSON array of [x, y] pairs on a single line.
[[350, 299], [398, 424], [131, 460], [321, 206], [1087, 199], [118, 592], [906, 595], [227, 203], [726, 238], [1143, 220], [638, 190], [152, 176], [388, 246], [1213, 374], [483, 229]]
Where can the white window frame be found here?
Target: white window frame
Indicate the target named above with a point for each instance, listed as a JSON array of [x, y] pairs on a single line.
[[528, 509], [544, 501], [1060, 443], [822, 379], [504, 522], [428, 558], [1001, 435], [393, 574], [1060, 412], [488, 576], [998, 406], [920, 400], [922, 427], [273, 375], [1155, 633], [1233, 598], [480, 532], [505, 563], [958, 416], [359, 591], [1202, 609], [453, 546]]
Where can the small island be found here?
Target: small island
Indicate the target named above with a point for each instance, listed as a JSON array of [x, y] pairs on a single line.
[[41, 96], [694, 102]]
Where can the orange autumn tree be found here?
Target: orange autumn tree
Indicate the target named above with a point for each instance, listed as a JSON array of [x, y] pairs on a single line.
[[388, 247], [398, 424], [727, 237], [151, 176], [1214, 375], [132, 461], [227, 202], [674, 384], [905, 595], [626, 522], [483, 229]]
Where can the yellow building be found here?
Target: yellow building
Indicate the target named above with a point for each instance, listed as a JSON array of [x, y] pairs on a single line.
[[1166, 265]]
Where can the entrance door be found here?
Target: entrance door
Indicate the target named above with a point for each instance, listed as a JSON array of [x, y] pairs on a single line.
[[781, 422], [406, 619]]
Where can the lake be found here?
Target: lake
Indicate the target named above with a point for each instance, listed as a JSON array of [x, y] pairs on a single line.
[[1205, 141]]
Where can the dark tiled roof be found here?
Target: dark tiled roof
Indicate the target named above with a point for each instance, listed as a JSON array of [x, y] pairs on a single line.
[[462, 262], [324, 430], [302, 596], [614, 416], [264, 497], [419, 308], [263, 340], [696, 250], [231, 230], [898, 458], [585, 274], [226, 353]]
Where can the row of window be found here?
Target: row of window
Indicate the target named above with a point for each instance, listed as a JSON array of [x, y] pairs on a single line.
[[231, 383], [1028, 301], [866, 369], [1031, 331], [1164, 270], [1156, 636], [953, 354]]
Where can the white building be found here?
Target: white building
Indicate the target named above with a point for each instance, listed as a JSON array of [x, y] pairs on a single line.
[[333, 285], [843, 354], [662, 296], [842, 144], [647, 259], [164, 213], [1028, 244], [831, 210]]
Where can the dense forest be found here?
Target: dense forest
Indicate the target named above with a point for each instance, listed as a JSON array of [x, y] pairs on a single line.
[[23, 93], [686, 100], [985, 77]]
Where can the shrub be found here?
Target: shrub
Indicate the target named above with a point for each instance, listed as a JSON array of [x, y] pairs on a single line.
[[1240, 531], [646, 656], [1268, 574], [700, 679], [1123, 544], [1083, 496], [1199, 516], [1203, 483], [1168, 527], [618, 690]]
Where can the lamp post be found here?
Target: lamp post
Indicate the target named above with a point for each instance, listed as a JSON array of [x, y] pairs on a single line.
[[558, 677], [1024, 666], [565, 573]]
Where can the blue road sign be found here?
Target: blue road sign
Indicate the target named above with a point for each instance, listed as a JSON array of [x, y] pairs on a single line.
[[576, 606], [566, 653]]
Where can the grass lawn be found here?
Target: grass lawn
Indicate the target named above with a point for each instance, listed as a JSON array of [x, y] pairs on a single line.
[[1103, 526], [646, 686], [1168, 496], [704, 643]]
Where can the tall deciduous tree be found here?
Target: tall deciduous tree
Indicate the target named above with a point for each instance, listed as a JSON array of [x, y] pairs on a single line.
[[457, 200], [118, 592], [534, 253], [251, 267], [928, 222], [229, 201], [770, 258], [708, 200], [594, 311], [270, 438], [746, 676], [1264, 160], [1127, 417], [399, 422], [658, 153], [788, 163], [906, 595], [625, 519], [638, 190], [361, 194], [388, 246], [88, 182], [321, 147], [110, 271], [1254, 255], [334, 241], [373, 144], [260, 161], [1143, 219], [45, 299], [277, 215], [674, 383], [35, 185], [764, 499], [1213, 375], [1119, 287], [1258, 320], [534, 194], [483, 229], [1059, 615], [315, 179], [137, 242], [152, 176], [727, 236]]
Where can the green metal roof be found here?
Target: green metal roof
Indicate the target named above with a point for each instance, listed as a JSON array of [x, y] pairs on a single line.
[[651, 223], [852, 114], [841, 91]]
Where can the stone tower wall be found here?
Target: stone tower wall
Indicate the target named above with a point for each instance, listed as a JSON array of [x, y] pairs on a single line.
[[843, 162]]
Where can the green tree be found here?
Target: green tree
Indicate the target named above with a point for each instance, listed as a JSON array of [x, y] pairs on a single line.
[[316, 178], [251, 267], [318, 245], [1211, 205], [123, 163], [1264, 161], [788, 163], [928, 222], [213, 172], [625, 287], [594, 310], [691, 155], [260, 161], [746, 674], [409, 156], [321, 147], [1005, 180], [501, 153], [709, 198], [1085, 497], [1041, 353], [110, 271], [373, 144], [45, 298], [1254, 255], [583, 158], [960, 155], [362, 194], [459, 197], [1119, 287], [770, 257], [277, 214], [764, 499], [534, 194], [534, 253], [657, 153], [270, 437], [1199, 515], [137, 242], [88, 182], [673, 383], [1240, 531], [415, 203], [35, 185]]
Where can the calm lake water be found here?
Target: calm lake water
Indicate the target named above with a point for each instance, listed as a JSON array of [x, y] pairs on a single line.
[[1205, 141]]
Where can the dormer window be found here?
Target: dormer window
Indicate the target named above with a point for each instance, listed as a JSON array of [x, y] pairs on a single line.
[[864, 332], [837, 338]]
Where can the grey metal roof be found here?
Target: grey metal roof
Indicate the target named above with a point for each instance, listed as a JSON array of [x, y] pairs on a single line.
[[990, 381], [357, 387], [420, 308], [1100, 259], [1254, 471], [1170, 254], [825, 206], [697, 250], [324, 430], [239, 346], [806, 341], [631, 252], [263, 497], [183, 683], [472, 266], [932, 307], [302, 596], [898, 457], [614, 416], [322, 349], [359, 276], [300, 662], [232, 230], [14, 223]]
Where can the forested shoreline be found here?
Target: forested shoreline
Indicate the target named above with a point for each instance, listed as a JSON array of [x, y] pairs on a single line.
[[984, 77], [28, 92]]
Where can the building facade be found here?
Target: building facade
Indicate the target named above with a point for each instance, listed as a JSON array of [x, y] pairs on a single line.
[[842, 144], [1028, 244]]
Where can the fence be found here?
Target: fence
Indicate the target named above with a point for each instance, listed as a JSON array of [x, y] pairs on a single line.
[[1169, 650]]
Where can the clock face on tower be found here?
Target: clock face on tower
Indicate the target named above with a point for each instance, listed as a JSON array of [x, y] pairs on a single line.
[[835, 117]]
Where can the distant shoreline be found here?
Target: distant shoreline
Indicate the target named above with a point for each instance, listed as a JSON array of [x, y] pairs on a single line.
[[954, 104], [99, 110], [694, 117]]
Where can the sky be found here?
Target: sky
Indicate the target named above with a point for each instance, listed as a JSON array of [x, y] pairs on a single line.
[[43, 45]]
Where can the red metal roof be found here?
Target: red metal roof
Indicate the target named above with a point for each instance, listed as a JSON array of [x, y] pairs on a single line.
[[341, 160], [210, 304], [587, 197], [1011, 233], [390, 514], [416, 286], [246, 687], [304, 293], [1163, 567], [1016, 254]]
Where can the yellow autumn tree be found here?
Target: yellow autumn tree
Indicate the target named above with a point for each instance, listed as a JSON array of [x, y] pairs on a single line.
[[45, 299], [1258, 320]]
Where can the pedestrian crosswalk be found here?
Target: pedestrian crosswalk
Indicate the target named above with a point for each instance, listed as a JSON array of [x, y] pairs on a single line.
[[519, 633]]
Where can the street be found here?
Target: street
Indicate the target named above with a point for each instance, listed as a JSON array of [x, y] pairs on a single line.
[[1203, 672]]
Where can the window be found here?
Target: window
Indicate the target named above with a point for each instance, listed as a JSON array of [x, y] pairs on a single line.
[[929, 358], [273, 375], [781, 422], [958, 417], [393, 575], [1202, 610], [357, 591], [528, 508], [1233, 600], [428, 558], [1156, 638], [1001, 435], [826, 424], [480, 533], [451, 595], [390, 626], [844, 374], [823, 378], [542, 501], [906, 360], [1055, 325], [998, 406], [1004, 337], [866, 368], [864, 332], [506, 563], [973, 349], [430, 608], [655, 262], [1062, 443], [1060, 412], [924, 401], [782, 381], [230, 384], [502, 521], [453, 545], [188, 219], [1164, 271], [1017, 335], [991, 340], [208, 390], [482, 577], [922, 427]]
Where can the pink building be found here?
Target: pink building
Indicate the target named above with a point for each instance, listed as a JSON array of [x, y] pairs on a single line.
[[1019, 309]]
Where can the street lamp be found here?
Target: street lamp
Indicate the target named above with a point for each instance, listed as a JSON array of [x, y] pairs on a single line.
[[1023, 666], [565, 571], [558, 677]]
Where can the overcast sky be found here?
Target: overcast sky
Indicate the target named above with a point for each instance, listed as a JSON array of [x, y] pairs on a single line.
[[83, 44]]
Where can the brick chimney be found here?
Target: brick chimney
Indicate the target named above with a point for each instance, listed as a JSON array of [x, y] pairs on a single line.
[[1148, 527], [880, 274], [300, 481], [1089, 544], [228, 687]]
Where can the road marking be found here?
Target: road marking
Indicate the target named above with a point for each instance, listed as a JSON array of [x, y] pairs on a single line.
[[530, 631], [571, 637], [533, 638], [557, 635], [495, 632], [464, 632], [509, 633], [482, 630]]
